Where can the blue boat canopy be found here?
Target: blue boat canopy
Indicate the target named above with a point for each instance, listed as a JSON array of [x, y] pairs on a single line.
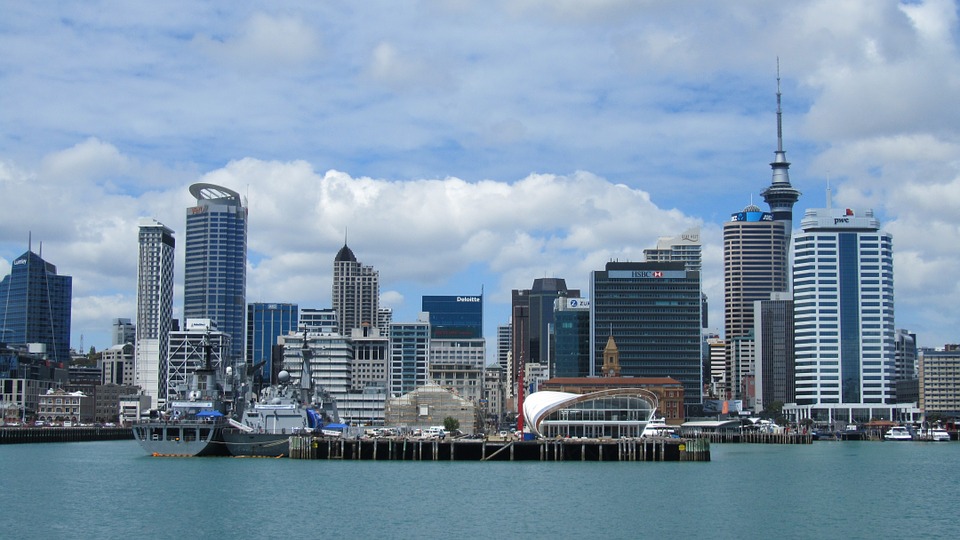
[[209, 413], [335, 426]]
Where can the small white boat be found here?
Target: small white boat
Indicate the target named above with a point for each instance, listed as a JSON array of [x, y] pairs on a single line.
[[939, 435], [898, 433]]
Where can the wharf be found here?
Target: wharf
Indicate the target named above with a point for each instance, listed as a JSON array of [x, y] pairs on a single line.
[[23, 435], [757, 438], [409, 449]]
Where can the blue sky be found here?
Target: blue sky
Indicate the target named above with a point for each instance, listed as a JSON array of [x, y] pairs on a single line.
[[467, 145]]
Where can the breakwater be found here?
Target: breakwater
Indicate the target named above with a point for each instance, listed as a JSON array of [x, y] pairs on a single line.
[[400, 449], [22, 435]]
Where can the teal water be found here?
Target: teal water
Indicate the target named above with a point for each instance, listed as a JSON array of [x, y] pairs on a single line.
[[824, 490]]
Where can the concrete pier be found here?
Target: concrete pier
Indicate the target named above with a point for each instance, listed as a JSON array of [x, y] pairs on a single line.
[[406, 449]]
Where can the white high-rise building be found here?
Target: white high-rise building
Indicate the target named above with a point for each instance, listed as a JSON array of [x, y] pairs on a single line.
[[843, 316], [154, 308]]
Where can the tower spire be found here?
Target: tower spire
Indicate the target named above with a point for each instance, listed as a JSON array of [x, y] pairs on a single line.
[[780, 195]]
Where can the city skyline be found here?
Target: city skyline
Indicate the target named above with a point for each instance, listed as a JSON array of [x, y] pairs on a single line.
[[492, 146]]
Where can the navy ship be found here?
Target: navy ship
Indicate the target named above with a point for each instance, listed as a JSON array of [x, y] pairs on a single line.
[[281, 410], [193, 422]]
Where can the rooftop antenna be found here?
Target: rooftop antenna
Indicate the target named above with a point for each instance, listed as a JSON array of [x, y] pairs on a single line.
[[29, 240], [779, 112], [829, 195]]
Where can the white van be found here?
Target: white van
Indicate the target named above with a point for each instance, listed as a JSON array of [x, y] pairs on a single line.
[[434, 431]]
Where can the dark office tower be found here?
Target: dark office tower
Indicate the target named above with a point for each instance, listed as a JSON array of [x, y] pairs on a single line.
[[652, 310], [754, 265], [356, 292], [154, 308], [265, 323], [454, 317], [570, 344], [775, 369], [780, 195], [532, 314], [215, 273], [35, 306]]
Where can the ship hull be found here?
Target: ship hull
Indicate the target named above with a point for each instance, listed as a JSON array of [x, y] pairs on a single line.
[[241, 443], [186, 439]]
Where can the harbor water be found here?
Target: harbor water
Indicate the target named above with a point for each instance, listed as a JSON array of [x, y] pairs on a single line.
[[825, 490]]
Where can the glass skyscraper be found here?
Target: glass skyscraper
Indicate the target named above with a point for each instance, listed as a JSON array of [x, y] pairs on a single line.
[[215, 277], [35, 306], [265, 323]]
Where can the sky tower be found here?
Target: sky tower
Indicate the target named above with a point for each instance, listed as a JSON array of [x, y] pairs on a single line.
[[780, 195]]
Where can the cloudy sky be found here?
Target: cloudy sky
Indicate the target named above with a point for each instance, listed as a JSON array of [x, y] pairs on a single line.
[[466, 146]]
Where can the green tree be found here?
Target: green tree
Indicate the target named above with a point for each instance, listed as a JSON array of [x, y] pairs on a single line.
[[450, 423]]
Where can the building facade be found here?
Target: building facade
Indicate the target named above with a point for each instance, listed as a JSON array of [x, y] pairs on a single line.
[[570, 338], [774, 351], [409, 356], [754, 265], [35, 307], [356, 292], [454, 317], [215, 269], [123, 331], [843, 314], [940, 381], [531, 317], [653, 312], [154, 308]]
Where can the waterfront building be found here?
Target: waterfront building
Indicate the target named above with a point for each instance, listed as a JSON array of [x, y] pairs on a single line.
[[614, 411], [454, 317], [58, 405], [754, 265], [531, 317], [117, 363], [215, 269], [123, 331], [843, 315], [653, 311], [409, 355], [187, 352], [774, 350], [428, 406], [570, 338], [668, 391], [356, 292], [35, 307], [940, 381], [458, 364], [265, 323], [24, 377], [156, 246]]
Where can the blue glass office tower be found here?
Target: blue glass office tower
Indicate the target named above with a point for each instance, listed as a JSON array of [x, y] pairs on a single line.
[[570, 342], [215, 277], [265, 323], [35, 306], [454, 317]]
